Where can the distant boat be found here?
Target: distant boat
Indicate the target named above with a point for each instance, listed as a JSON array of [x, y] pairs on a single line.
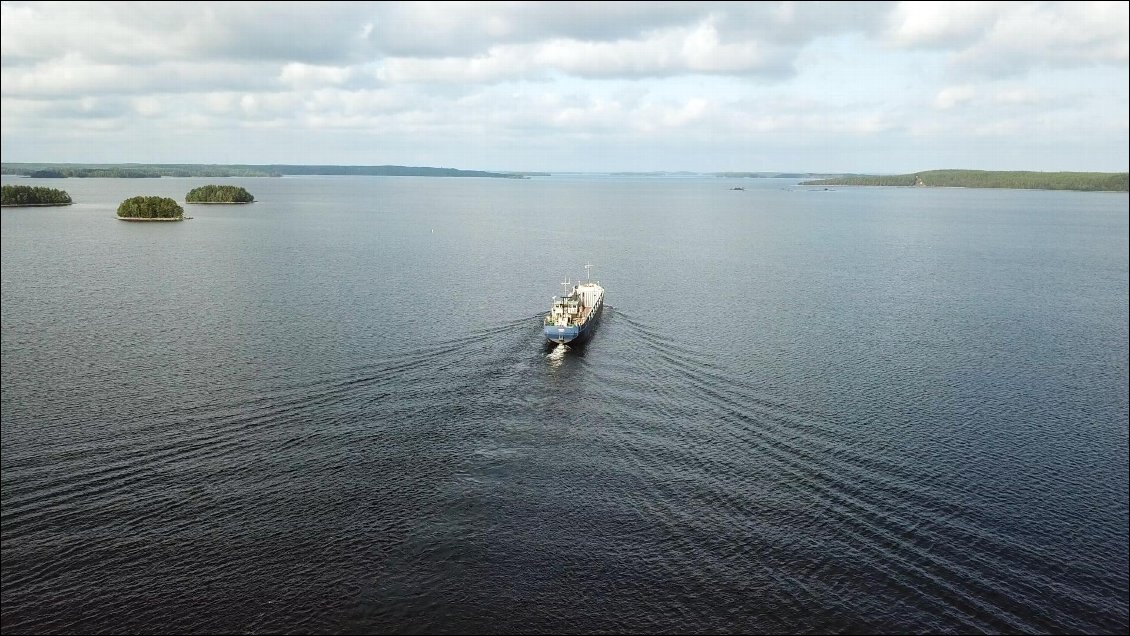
[[574, 316], [737, 188]]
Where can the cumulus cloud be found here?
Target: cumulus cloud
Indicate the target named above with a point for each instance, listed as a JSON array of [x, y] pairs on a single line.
[[711, 38], [72, 75], [701, 72], [143, 32], [468, 29], [1010, 38], [322, 42], [677, 51], [308, 76], [108, 47], [952, 96]]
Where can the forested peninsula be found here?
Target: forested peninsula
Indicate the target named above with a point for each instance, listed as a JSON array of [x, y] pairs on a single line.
[[218, 194], [135, 170], [27, 196], [1085, 181]]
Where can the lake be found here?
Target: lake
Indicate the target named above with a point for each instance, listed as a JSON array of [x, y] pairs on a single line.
[[805, 410]]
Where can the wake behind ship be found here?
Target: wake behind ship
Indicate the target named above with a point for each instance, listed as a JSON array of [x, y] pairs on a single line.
[[574, 316]]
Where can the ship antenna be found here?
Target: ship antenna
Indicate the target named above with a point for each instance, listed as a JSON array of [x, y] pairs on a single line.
[[588, 272]]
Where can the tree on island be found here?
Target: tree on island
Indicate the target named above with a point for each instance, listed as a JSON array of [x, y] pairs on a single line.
[[218, 194], [17, 195], [150, 208]]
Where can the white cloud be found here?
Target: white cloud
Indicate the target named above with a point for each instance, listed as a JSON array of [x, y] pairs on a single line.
[[131, 33], [1009, 38], [498, 65], [148, 106], [952, 96], [74, 74], [940, 24], [307, 76], [479, 79], [1068, 34], [695, 49], [1019, 96]]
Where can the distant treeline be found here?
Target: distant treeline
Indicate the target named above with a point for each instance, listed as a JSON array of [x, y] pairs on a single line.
[[770, 175], [728, 175], [1086, 181], [150, 208], [58, 171], [218, 194], [105, 173], [16, 195], [129, 170], [386, 171]]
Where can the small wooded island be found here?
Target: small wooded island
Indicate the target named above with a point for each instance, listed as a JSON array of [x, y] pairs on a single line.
[[27, 196], [150, 209], [218, 194]]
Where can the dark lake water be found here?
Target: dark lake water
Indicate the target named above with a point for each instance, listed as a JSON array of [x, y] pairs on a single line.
[[854, 410]]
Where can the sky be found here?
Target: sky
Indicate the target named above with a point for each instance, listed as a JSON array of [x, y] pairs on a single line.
[[588, 87]]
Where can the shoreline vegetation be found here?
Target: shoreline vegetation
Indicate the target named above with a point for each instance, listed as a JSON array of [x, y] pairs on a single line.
[[21, 196], [221, 194], [150, 209], [1015, 180], [1020, 180], [156, 170]]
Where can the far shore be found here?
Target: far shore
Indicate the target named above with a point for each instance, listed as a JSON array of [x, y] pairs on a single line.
[[1007, 180], [34, 205], [948, 187], [137, 219], [218, 202]]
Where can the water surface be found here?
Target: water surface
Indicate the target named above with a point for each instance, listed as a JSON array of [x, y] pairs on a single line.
[[853, 410]]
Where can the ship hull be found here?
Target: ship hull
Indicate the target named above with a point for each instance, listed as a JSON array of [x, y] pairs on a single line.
[[575, 334]]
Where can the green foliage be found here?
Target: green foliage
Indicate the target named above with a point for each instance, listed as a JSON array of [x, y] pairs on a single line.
[[218, 194], [214, 171], [115, 173], [385, 171], [33, 195], [58, 170], [1086, 181], [766, 175], [110, 173], [150, 208]]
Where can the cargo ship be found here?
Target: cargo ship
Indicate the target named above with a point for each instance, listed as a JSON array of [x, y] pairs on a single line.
[[574, 316]]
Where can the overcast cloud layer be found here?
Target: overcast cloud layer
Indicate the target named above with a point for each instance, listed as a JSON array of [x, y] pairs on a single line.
[[844, 87]]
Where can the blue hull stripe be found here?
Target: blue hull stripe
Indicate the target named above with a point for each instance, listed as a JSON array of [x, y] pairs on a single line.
[[565, 335]]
